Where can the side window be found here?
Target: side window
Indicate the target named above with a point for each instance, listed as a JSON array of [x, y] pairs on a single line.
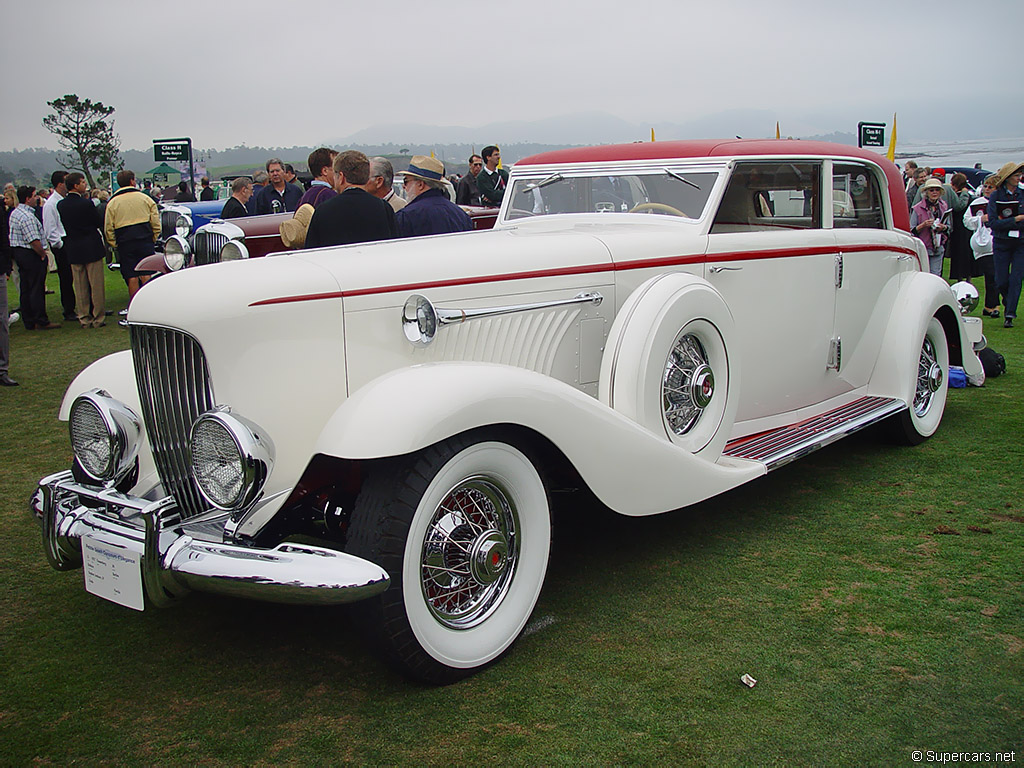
[[856, 197], [771, 196]]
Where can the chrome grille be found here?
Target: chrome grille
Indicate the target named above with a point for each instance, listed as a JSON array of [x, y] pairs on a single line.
[[167, 219], [206, 247], [174, 386]]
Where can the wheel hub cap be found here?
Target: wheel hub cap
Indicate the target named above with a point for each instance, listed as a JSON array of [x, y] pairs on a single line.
[[935, 377], [488, 557], [469, 553], [703, 387], [687, 384]]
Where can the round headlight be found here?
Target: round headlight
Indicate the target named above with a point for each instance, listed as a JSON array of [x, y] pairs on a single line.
[[234, 250], [104, 435], [176, 252], [231, 459], [183, 225], [966, 296]]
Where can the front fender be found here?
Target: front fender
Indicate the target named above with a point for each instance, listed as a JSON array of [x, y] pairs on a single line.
[[630, 469], [921, 297]]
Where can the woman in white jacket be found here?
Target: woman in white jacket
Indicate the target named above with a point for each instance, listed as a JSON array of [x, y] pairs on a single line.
[[981, 244]]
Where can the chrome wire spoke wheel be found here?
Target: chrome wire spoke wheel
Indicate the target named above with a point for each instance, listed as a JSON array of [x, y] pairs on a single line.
[[687, 384], [930, 377], [470, 553]]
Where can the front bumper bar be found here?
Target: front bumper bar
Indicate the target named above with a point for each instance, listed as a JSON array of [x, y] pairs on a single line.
[[175, 562]]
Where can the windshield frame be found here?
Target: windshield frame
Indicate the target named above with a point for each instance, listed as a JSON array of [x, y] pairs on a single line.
[[662, 167]]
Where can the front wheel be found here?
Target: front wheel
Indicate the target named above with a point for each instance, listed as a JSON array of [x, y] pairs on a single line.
[[922, 418], [463, 528]]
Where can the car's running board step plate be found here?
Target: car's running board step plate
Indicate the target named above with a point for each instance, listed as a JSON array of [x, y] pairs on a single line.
[[777, 447]]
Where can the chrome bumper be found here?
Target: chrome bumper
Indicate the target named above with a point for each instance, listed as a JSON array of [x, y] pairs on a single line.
[[175, 562]]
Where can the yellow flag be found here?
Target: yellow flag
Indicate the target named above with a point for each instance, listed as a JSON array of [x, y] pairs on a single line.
[[652, 134], [891, 154], [431, 153], [778, 135]]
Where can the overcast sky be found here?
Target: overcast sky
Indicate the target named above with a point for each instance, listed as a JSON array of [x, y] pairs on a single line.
[[281, 74]]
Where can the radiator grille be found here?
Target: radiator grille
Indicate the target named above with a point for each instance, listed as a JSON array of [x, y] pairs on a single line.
[[174, 386], [206, 247], [167, 219]]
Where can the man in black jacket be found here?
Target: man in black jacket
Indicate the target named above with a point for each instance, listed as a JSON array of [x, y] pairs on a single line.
[[237, 204], [84, 248], [354, 216]]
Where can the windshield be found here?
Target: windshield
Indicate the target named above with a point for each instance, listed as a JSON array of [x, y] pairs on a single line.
[[672, 193]]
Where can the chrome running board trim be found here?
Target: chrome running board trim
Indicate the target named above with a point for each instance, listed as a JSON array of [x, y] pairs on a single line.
[[778, 447]]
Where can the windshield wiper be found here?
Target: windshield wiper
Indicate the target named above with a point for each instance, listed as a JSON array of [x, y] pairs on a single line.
[[555, 177], [677, 177]]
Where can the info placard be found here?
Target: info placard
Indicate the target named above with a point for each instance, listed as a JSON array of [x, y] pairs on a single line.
[[113, 572]]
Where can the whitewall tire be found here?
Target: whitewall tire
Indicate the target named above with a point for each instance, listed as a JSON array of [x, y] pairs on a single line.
[[463, 528], [929, 389]]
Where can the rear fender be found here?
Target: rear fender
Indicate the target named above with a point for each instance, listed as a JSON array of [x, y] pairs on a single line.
[[628, 468], [921, 297]]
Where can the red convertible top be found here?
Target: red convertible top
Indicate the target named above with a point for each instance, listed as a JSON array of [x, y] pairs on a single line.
[[672, 150]]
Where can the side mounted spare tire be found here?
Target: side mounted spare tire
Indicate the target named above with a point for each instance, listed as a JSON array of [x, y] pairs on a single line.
[[669, 364]]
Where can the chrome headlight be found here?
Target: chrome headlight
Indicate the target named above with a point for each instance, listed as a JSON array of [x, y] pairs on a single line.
[[183, 225], [234, 250], [966, 296], [104, 435], [231, 459], [176, 252]]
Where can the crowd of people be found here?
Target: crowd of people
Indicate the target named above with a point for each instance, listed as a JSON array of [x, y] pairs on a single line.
[[977, 230], [71, 230]]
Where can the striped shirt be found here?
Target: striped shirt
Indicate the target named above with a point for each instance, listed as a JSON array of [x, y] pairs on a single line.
[[25, 227]]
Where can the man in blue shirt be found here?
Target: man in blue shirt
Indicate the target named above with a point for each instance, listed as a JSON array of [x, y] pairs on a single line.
[[27, 248], [278, 196], [428, 210]]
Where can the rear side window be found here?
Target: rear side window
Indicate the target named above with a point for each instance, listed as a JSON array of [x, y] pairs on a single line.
[[770, 196], [856, 198]]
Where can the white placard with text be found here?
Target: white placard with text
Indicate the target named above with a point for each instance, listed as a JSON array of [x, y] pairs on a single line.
[[113, 572]]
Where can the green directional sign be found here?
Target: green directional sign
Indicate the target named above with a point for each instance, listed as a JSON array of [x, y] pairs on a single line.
[[171, 150], [870, 134]]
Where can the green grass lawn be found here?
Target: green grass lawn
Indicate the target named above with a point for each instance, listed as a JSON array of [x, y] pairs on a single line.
[[874, 592]]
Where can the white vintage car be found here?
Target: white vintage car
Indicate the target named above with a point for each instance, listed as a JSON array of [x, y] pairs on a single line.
[[384, 423]]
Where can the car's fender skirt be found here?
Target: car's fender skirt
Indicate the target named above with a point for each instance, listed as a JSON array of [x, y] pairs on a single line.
[[921, 297], [630, 469]]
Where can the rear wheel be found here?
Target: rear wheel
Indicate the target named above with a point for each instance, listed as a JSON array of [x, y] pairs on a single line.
[[463, 529], [922, 418]]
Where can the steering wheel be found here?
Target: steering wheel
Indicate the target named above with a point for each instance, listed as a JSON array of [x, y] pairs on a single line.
[[659, 207]]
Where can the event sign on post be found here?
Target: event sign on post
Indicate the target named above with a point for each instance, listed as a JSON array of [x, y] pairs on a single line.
[[870, 134], [175, 151]]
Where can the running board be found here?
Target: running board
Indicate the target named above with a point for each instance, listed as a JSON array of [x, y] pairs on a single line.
[[778, 447]]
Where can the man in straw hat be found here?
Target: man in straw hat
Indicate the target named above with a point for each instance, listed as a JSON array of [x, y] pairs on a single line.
[[1006, 220], [428, 210], [354, 216]]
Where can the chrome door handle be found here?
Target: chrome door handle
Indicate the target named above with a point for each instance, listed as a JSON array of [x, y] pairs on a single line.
[[716, 269]]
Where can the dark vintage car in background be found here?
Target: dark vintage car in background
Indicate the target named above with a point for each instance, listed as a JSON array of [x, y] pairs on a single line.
[[246, 238], [184, 218]]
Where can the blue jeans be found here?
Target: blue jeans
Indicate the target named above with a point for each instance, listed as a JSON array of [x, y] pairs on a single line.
[[1008, 257]]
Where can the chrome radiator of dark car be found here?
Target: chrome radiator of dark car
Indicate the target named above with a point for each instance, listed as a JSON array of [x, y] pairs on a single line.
[[167, 221], [174, 387], [206, 247]]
